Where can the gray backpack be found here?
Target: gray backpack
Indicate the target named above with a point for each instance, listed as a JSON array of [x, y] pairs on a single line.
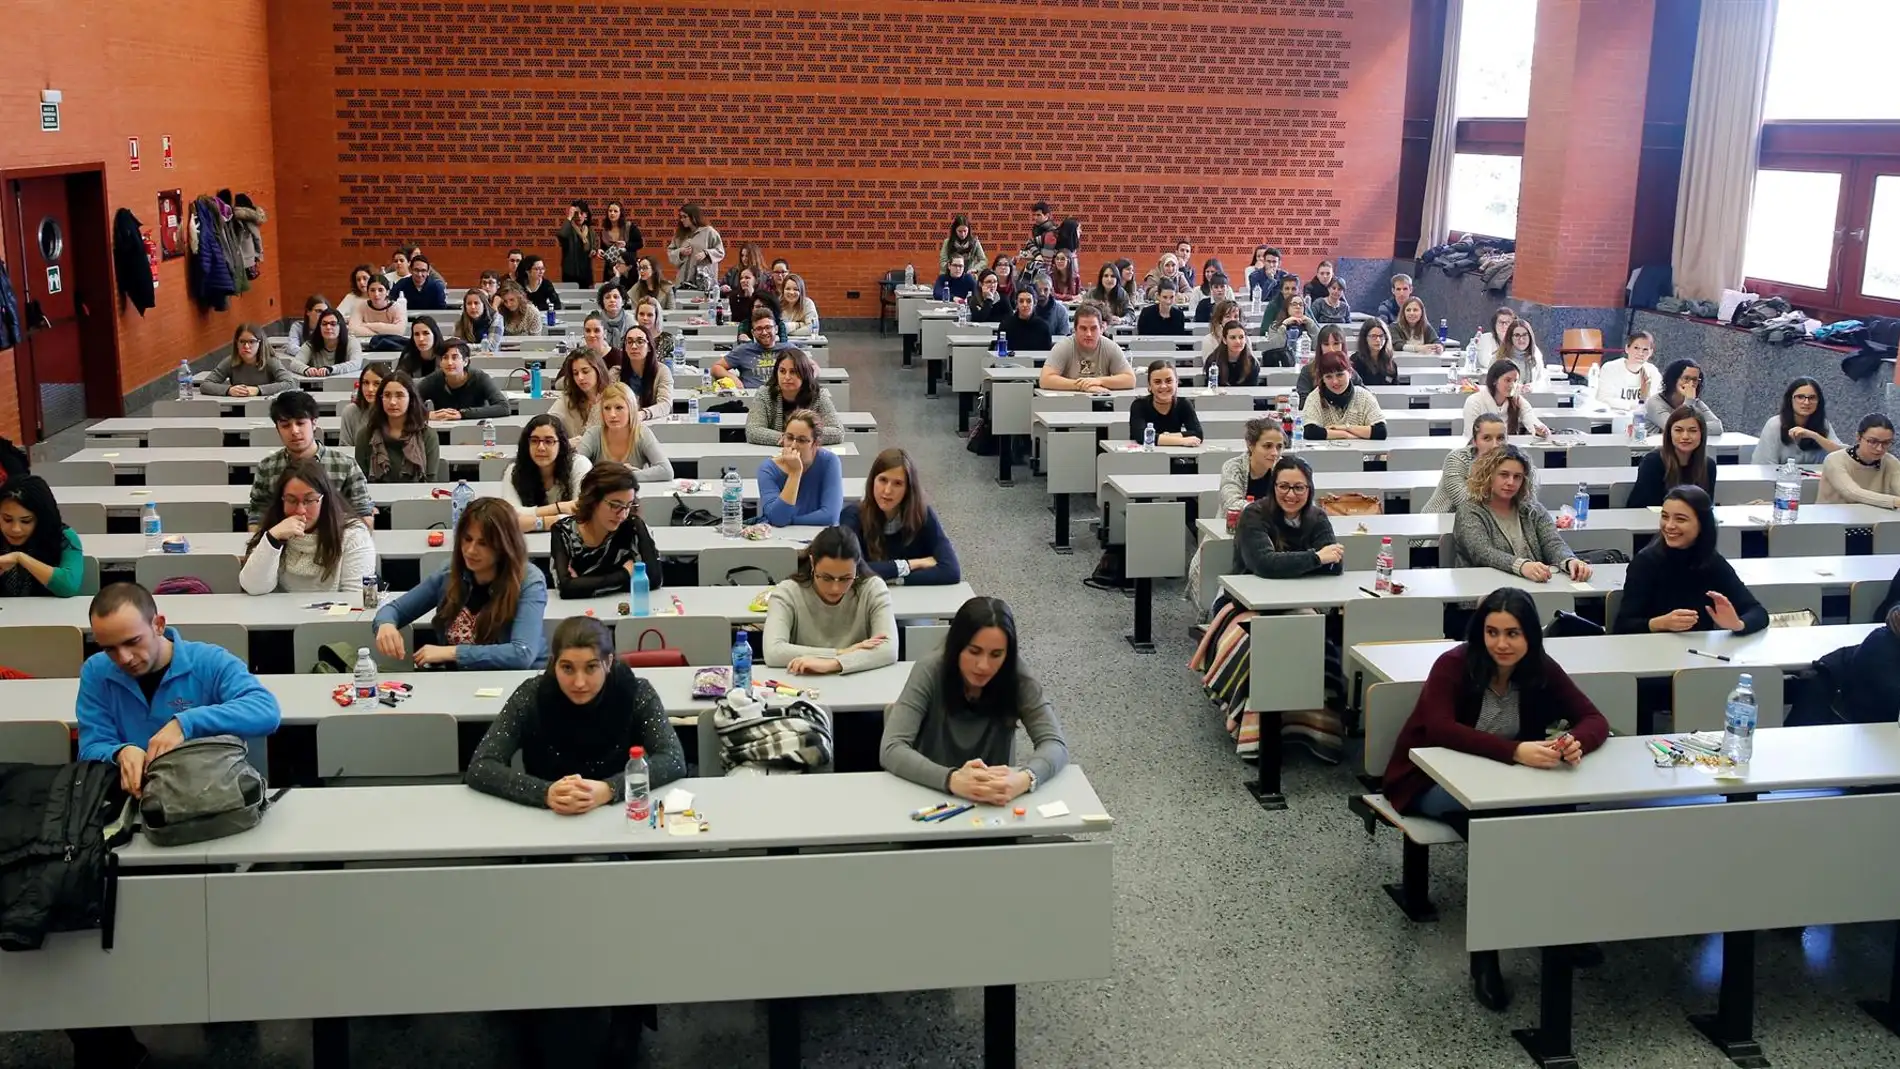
[[201, 789]]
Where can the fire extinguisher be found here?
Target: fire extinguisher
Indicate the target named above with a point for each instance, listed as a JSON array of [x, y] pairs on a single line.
[[151, 252]]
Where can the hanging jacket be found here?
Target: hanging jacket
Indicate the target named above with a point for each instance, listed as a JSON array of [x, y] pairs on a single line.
[[212, 280], [9, 311], [248, 221], [59, 826], [129, 264]]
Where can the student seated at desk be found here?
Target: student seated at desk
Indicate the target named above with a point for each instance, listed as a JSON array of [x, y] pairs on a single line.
[[622, 439], [647, 376], [903, 541], [1521, 349], [1682, 383], [331, 350], [956, 283], [457, 391], [1052, 311], [594, 341], [953, 726], [1065, 276], [577, 402], [834, 616], [1373, 361], [1233, 361], [1219, 289], [1865, 473], [1286, 534], [595, 549], [544, 481], [40, 557], [647, 313], [794, 386], [1244, 479], [304, 543], [615, 319], [142, 694], [362, 402], [377, 325], [1627, 384], [1332, 342], [1171, 415], [477, 318], [1333, 307], [742, 360], [1679, 582], [1162, 318], [1388, 309], [396, 444], [422, 287], [991, 304], [1087, 361], [749, 294], [250, 370], [1487, 433], [800, 312], [518, 316], [1283, 316], [532, 277], [489, 600], [1501, 397], [1413, 333], [803, 484], [1495, 696], [420, 353], [1339, 408], [295, 414], [649, 284], [1682, 459], [355, 294], [1494, 337], [1799, 432], [1855, 684], [1501, 524], [1026, 331]]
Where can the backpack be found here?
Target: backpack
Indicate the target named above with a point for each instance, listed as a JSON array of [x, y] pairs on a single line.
[[202, 789], [685, 515], [1756, 313], [182, 584], [58, 872], [335, 658]]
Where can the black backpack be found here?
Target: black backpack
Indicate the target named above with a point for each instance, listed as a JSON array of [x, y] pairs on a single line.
[[59, 826]]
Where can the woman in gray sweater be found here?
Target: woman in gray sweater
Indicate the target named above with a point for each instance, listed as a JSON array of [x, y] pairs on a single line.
[[1502, 526], [953, 726], [1682, 387], [1286, 534], [834, 615], [250, 370]]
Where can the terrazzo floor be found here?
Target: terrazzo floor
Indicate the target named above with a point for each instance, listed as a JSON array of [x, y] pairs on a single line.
[[1242, 937]]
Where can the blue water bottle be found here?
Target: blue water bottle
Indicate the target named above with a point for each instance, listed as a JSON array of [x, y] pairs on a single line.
[[1002, 346], [641, 586], [534, 379], [1581, 505], [741, 662]]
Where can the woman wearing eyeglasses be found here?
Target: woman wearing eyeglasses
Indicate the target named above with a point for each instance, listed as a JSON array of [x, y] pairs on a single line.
[[803, 484], [1865, 473], [304, 546], [834, 616], [1682, 383], [1286, 534], [595, 549], [1800, 431]]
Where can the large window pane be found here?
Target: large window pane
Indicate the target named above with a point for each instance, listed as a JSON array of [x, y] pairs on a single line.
[[1494, 59], [1814, 72], [1483, 194], [1791, 227], [1882, 276]]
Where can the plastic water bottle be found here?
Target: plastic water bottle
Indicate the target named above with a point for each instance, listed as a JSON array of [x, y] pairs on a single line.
[[1148, 438], [1002, 345], [1444, 331], [534, 379], [1213, 378], [184, 380], [642, 586], [488, 434], [1293, 343], [963, 313], [365, 677], [639, 782], [552, 319], [1580, 505], [1738, 734], [495, 332], [1639, 428], [1382, 582], [458, 504], [741, 663], [151, 527], [692, 408], [1299, 430], [731, 504], [910, 274], [1787, 493]]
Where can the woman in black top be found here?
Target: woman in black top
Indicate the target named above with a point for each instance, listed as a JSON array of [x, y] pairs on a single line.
[[1171, 414], [1373, 361], [1026, 331], [1108, 292], [532, 276], [620, 239], [1234, 359], [1678, 582], [1682, 459], [595, 549], [419, 352], [746, 293], [1286, 534]]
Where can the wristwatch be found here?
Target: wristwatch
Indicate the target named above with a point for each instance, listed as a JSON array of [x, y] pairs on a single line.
[[1032, 780]]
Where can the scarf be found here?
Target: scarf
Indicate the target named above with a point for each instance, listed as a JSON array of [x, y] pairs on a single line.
[[1337, 400], [965, 249], [412, 451], [1853, 453], [562, 738]]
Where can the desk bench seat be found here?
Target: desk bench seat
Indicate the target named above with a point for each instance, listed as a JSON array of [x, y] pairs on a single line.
[[1413, 891]]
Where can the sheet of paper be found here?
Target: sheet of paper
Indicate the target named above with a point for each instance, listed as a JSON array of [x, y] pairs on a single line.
[[1053, 809], [677, 800], [340, 610], [110, 456], [488, 692], [1582, 586]]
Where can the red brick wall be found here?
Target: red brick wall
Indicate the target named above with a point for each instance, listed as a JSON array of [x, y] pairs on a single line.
[[837, 133], [196, 71]]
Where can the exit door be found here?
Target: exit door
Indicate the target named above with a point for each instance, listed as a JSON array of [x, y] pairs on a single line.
[[49, 302]]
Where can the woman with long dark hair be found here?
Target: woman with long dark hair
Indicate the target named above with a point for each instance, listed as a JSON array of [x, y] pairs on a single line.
[[544, 480], [1500, 397], [250, 370], [903, 540], [1865, 473], [517, 314], [489, 600], [420, 351], [794, 386], [1286, 534], [1682, 458], [1108, 292], [303, 327], [1680, 582], [580, 244], [647, 376], [1497, 695], [40, 557], [581, 381], [331, 350], [532, 277], [1683, 383], [354, 415], [962, 241], [595, 549], [952, 726], [1233, 361], [1373, 360], [357, 293], [397, 444], [477, 317], [834, 615], [650, 283], [307, 542], [1799, 431]]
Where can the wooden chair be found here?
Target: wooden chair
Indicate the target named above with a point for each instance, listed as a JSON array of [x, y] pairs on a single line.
[[1582, 350]]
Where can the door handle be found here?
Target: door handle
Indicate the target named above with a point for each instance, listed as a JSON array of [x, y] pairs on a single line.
[[1858, 235]]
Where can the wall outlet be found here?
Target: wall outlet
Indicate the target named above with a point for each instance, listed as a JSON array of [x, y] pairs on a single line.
[[850, 295]]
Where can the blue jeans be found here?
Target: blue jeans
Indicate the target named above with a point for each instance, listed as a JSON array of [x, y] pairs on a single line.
[[1438, 804]]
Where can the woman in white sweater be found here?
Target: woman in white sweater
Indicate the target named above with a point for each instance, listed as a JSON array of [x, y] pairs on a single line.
[[1627, 384], [1866, 472], [801, 315], [1500, 398], [1488, 342], [307, 543]]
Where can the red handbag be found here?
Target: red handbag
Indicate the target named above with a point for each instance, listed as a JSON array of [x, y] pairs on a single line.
[[664, 657]]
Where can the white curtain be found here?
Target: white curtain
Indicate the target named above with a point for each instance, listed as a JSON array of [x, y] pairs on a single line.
[[1433, 219], [1721, 143]]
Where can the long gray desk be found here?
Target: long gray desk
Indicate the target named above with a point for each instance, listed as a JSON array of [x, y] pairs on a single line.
[[127, 549], [696, 454], [1760, 861], [395, 938], [262, 432]]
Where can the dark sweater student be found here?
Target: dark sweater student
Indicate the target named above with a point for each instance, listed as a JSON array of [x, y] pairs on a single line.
[[902, 539], [1680, 583], [454, 387], [1286, 535]]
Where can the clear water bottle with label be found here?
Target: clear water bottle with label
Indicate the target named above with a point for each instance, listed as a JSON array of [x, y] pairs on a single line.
[[1580, 506], [1213, 378], [184, 380], [488, 434], [1382, 581], [741, 662], [365, 677], [151, 527], [642, 587], [963, 313], [495, 333], [1738, 732], [639, 782], [731, 504], [910, 274], [1148, 438], [1293, 344], [458, 503], [692, 408], [1299, 430], [1787, 493]]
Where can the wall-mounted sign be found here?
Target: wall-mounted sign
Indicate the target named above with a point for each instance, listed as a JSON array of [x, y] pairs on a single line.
[[49, 116], [171, 223], [53, 284], [165, 142], [132, 151]]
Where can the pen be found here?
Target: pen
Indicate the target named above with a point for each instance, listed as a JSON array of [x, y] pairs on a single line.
[[948, 813], [1373, 593], [919, 814], [1716, 656]]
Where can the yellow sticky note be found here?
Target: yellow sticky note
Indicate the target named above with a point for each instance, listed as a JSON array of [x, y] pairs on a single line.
[[140, 492], [488, 692], [1581, 586], [339, 610], [109, 456]]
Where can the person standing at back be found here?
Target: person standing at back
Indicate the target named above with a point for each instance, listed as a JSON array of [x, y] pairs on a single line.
[[295, 414], [580, 244], [963, 242], [695, 250], [1087, 361]]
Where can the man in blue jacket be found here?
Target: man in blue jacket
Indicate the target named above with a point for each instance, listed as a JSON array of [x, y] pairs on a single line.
[[418, 289], [147, 690]]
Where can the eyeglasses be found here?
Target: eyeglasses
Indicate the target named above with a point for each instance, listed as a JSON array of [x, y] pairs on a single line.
[[1809, 398], [1878, 443], [308, 501], [542, 441], [618, 508], [797, 439], [1691, 378], [833, 580], [1290, 488]]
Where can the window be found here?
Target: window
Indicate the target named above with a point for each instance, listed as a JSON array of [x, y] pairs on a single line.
[[1494, 59], [1812, 76], [1791, 227], [1482, 198], [1881, 277]]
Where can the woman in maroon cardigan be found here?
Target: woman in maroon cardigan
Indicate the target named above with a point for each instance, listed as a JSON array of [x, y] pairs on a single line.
[[1496, 696]]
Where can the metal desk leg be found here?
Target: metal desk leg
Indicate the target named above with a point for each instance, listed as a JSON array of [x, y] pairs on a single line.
[[911, 342], [964, 403], [1732, 1026], [1887, 1010], [781, 1030], [1061, 543], [1549, 1044], [330, 1043], [999, 1027], [1005, 445], [1143, 638], [1266, 788], [933, 369]]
